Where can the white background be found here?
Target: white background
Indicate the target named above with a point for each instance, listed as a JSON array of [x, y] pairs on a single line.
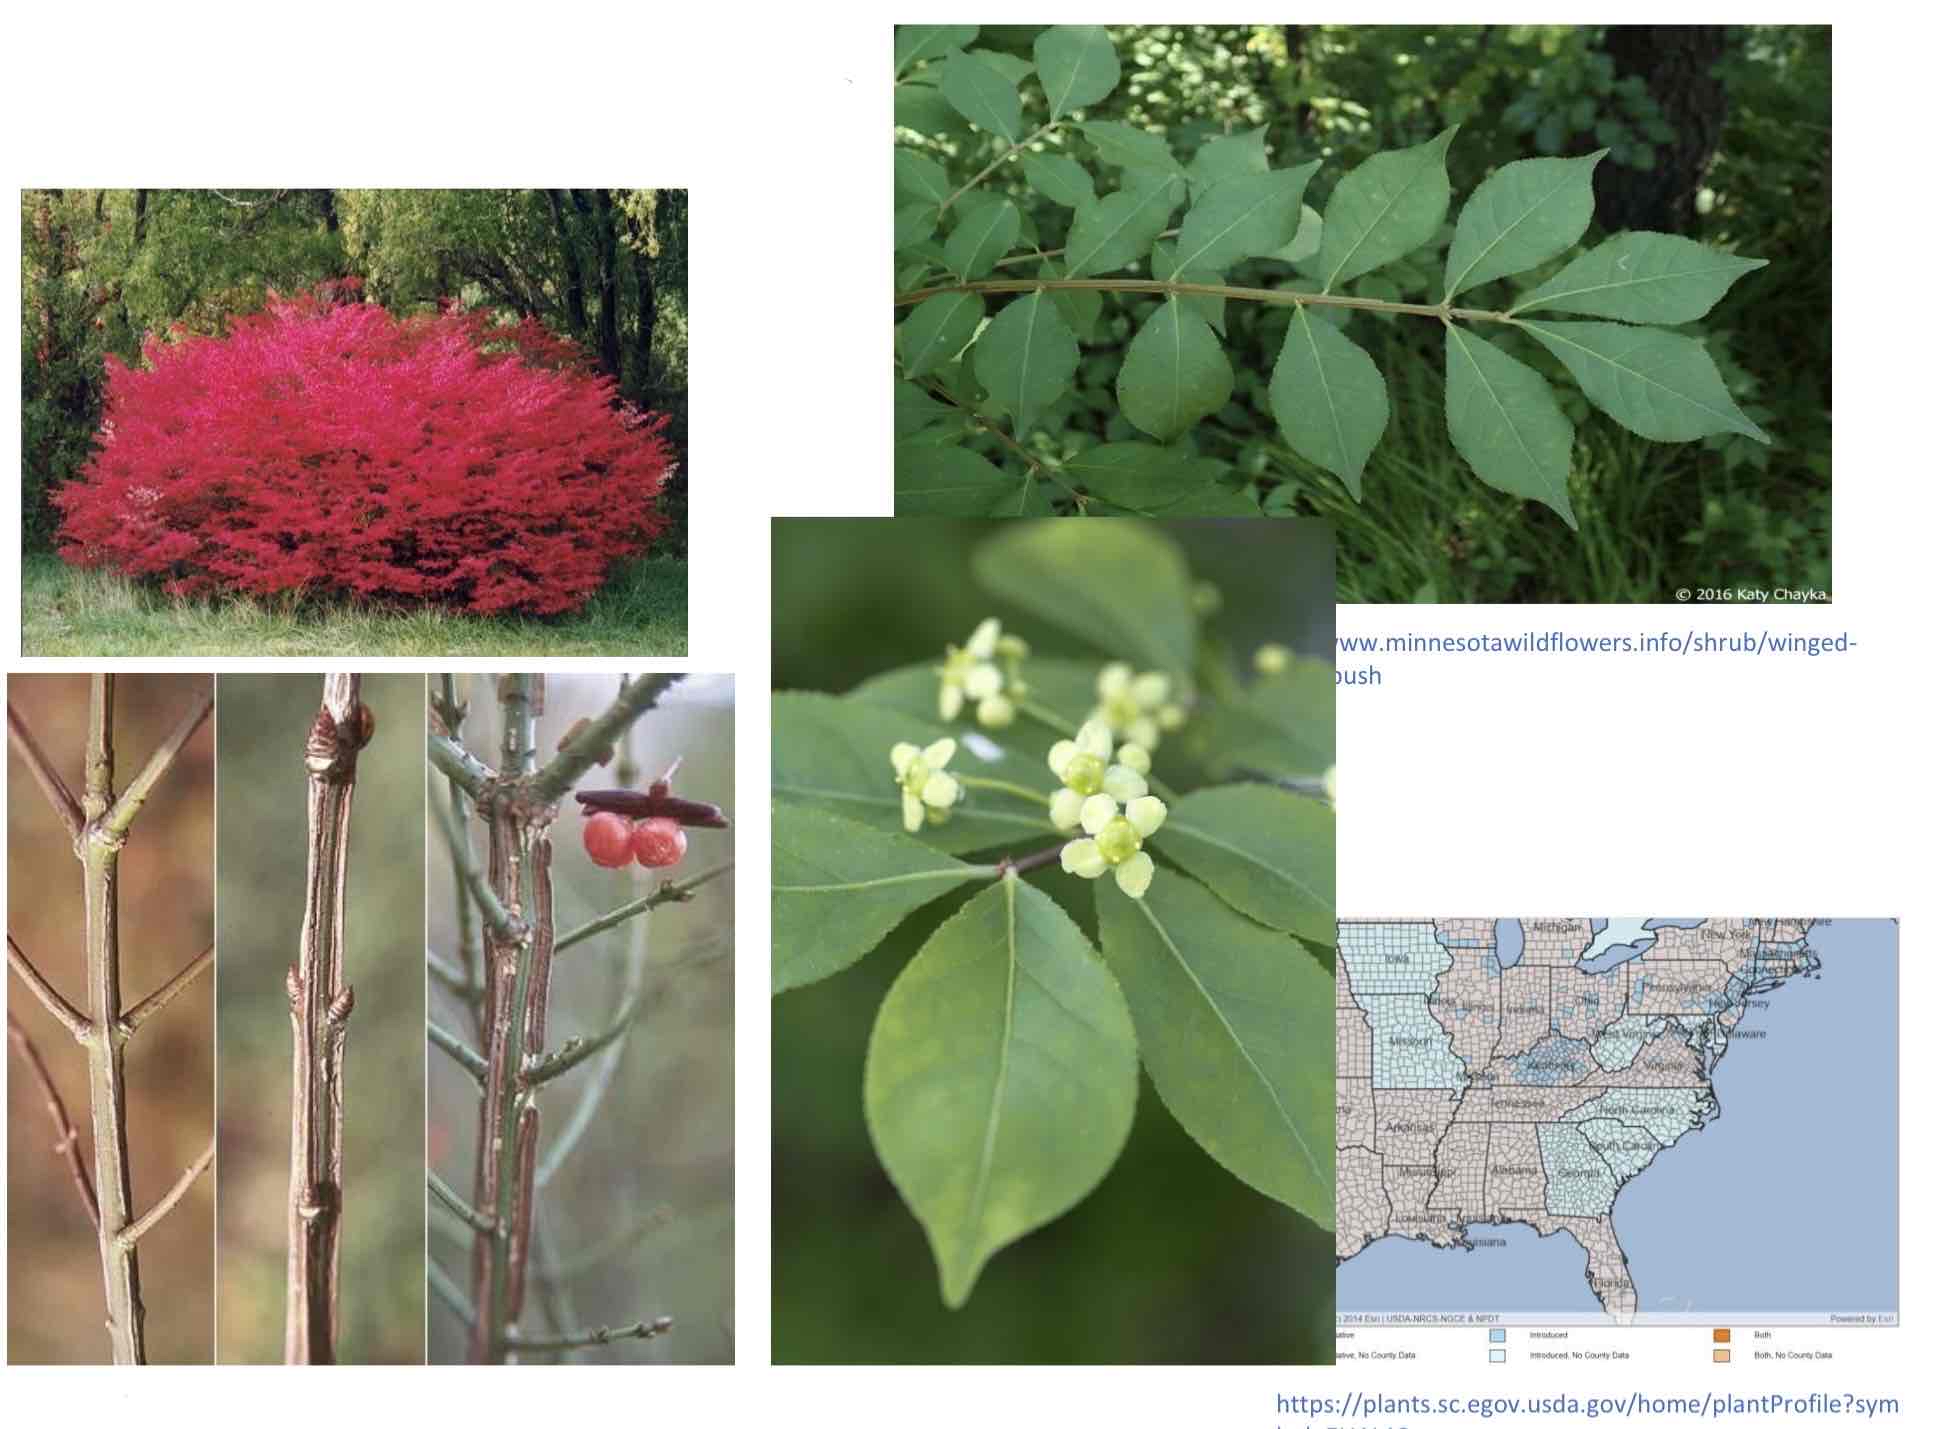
[[1485, 785]]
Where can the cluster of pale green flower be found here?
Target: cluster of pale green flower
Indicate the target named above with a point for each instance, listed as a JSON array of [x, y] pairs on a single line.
[[1104, 793]]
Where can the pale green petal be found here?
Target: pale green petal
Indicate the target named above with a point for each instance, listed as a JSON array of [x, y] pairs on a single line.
[[1113, 680], [1097, 739], [984, 680], [1059, 753], [1133, 874], [1065, 809], [949, 701], [1147, 814], [1083, 859], [996, 712], [1135, 757], [902, 755], [1151, 690], [985, 638], [914, 813], [937, 754], [1097, 810], [1124, 783], [941, 791]]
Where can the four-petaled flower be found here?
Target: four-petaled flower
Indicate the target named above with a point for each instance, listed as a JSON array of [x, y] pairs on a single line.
[[972, 672], [1082, 765], [1115, 840], [1137, 707], [928, 792]]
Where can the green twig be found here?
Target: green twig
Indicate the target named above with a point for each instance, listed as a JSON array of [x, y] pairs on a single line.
[[667, 892], [1169, 288]]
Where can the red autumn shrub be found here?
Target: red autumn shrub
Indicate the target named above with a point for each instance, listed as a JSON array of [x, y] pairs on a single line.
[[326, 446]]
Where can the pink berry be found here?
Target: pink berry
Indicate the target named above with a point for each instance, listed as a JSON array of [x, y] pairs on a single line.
[[659, 843], [609, 840]]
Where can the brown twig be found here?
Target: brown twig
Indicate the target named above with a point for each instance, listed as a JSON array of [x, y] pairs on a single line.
[[67, 1141], [153, 1004], [320, 1002], [59, 1007], [138, 1228], [46, 775]]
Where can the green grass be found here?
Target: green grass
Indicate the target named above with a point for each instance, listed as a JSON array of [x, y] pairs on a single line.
[[641, 611]]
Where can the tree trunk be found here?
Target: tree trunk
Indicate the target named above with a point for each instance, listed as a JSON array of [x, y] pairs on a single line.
[[648, 314], [574, 274], [607, 239], [1678, 63]]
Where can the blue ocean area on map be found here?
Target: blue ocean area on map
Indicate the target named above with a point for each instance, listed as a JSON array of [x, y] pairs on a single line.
[[1789, 1201], [1784, 1203], [1528, 1274]]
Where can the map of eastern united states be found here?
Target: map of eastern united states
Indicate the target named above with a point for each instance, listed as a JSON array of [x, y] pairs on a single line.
[[1529, 1086]]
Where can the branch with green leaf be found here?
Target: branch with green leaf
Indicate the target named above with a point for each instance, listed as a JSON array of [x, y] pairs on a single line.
[[1002, 1070], [1050, 350]]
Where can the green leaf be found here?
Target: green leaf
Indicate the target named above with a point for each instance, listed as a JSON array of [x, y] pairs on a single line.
[[840, 887], [1520, 216], [1388, 207], [1060, 178], [1329, 398], [1305, 241], [836, 754], [1209, 498], [1658, 383], [1026, 357], [1505, 421], [1029, 497], [936, 480], [1079, 307], [1642, 278], [1175, 373], [920, 178], [1266, 851], [1239, 217], [982, 238], [1236, 1027], [926, 42], [1117, 230], [914, 221], [1121, 585], [982, 94], [1135, 150], [920, 106], [916, 409], [1163, 259], [1001, 1079], [1281, 726], [1229, 157], [1137, 475], [1077, 65], [1012, 68], [937, 331]]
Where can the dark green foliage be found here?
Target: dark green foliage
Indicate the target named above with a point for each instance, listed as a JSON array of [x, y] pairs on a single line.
[[1721, 511]]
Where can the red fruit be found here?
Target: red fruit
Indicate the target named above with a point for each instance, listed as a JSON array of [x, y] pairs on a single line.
[[609, 840], [658, 843]]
